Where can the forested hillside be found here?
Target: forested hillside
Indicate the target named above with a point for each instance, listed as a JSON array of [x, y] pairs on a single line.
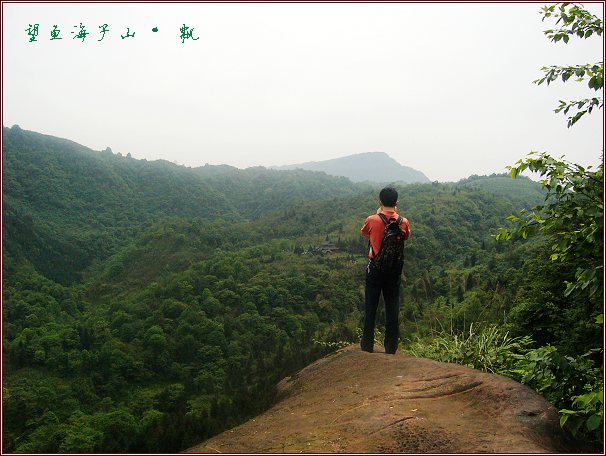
[[148, 306], [66, 205]]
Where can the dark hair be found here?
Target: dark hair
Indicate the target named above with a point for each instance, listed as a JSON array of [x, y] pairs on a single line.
[[388, 197]]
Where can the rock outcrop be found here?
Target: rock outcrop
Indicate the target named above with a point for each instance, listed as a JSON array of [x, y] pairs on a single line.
[[358, 402]]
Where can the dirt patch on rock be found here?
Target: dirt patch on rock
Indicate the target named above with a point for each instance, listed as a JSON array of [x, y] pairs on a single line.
[[357, 402]]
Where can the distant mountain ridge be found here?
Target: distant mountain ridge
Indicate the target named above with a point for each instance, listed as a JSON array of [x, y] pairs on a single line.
[[368, 166]]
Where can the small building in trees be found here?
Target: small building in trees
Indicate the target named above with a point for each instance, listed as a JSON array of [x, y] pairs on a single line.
[[325, 248]]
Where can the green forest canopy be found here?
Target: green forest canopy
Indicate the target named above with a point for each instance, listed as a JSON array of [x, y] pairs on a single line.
[[148, 306]]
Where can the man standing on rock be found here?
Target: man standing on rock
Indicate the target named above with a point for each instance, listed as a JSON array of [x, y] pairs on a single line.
[[386, 232]]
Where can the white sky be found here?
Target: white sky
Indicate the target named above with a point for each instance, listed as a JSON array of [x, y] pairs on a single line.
[[444, 88]]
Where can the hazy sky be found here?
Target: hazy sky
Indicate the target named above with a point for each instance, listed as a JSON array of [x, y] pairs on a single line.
[[444, 88]]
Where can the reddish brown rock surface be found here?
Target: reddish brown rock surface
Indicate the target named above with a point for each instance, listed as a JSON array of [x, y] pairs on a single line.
[[358, 402]]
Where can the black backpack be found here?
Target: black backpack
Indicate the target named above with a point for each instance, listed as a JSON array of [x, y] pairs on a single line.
[[390, 259]]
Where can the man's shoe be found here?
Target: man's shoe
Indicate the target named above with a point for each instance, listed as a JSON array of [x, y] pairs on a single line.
[[366, 349], [390, 350]]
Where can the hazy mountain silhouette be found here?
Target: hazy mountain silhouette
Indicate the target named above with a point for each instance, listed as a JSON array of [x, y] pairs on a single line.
[[369, 166]]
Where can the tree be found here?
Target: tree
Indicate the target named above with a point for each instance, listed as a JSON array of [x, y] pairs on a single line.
[[572, 220], [572, 214], [571, 217]]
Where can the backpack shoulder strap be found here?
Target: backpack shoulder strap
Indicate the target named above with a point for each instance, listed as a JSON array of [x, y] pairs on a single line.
[[384, 218]]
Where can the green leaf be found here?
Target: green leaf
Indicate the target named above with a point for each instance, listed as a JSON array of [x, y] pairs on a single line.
[[593, 422], [575, 425]]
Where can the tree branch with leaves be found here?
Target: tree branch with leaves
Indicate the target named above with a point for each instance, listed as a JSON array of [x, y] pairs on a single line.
[[575, 22], [571, 217]]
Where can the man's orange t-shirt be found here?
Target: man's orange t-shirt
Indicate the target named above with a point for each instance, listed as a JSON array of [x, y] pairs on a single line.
[[373, 229]]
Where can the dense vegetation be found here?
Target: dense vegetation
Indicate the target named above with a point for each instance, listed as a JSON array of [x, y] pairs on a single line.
[[66, 205], [176, 327], [147, 306]]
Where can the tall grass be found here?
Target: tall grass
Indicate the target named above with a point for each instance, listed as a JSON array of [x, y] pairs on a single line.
[[572, 384], [486, 348]]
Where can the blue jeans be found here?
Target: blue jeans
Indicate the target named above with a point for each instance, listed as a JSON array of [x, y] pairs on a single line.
[[390, 287]]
